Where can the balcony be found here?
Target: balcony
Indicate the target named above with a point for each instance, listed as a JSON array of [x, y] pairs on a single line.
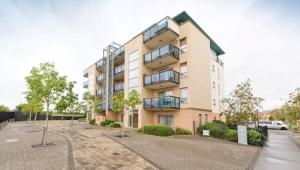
[[118, 55], [100, 92], [86, 84], [100, 78], [162, 103], [119, 87], [119, 72], [100, 64], [164, 79], [161, 33], [163, 56], [86, 73]]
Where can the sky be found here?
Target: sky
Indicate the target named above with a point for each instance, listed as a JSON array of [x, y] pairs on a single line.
[[260, 37]]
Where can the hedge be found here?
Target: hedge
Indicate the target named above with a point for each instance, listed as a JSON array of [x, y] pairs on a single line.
[[107, 122], [157, 130], [115, 125], [231, 135], [92, 121], [219, 130], [255, 138], [182, 131]]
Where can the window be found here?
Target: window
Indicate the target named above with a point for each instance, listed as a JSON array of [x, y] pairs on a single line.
[[214, 85], [166, 120], [213, 68], [206, 118], [214, 102], [183, 45], [133, 71], [183, 69], [184, 95], [165, 93]]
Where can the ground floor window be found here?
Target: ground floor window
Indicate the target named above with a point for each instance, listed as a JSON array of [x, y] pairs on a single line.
[[166, 120]]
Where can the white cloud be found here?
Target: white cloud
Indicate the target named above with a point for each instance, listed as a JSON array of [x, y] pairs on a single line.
[[260, 42]]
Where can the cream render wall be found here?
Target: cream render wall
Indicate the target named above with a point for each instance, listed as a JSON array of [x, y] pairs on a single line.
[[198, 63]]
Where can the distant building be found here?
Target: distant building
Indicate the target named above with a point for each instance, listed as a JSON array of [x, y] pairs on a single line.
[[265, 115]]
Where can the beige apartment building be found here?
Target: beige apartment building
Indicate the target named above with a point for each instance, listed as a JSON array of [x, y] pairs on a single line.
[[175, 67]]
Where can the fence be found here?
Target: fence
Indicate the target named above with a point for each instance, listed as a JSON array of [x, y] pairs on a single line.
[[4, 123]]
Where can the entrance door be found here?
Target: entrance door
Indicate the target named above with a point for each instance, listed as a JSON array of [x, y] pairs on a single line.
[[130, 117], [135, 120]]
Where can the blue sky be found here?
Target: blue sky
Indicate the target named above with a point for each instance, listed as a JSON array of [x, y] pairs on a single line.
[[260, 38]]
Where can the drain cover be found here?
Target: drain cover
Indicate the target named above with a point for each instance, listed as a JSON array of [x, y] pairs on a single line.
[[39, 145]]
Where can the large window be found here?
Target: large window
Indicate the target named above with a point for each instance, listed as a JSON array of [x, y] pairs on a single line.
[[184, 95], [133, 71], [183, 69], [166, 120]]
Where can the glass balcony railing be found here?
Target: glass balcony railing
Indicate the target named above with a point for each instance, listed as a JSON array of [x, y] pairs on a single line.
[[155, 29], [86, 84], [165, 102], [166, 50], [119, 87], [100, 78], [101, 62], [85, 73], [162, 77], [118, 51], [119, 69], [100, 92]]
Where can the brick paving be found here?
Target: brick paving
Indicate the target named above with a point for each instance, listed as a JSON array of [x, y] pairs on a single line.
[[190, 152], [75, 147]]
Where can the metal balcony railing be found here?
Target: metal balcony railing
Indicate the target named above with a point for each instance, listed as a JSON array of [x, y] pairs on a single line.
[[100, 78], [101, 62], [155, 29], [118, 51], [119, 69], [165, 102], [86, 84], [166, 50], [119, 87], [162, 77]]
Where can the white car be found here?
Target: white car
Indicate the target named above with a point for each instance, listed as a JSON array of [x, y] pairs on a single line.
[[273, 125]]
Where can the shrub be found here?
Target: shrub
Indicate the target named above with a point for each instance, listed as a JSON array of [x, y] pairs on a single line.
[[115, 125], [255, 138], [92, 121], [182, 131], [141, 130], [107, 122], [157, 130], [219, 122], [215, 129], [295, 128], [231, 135]]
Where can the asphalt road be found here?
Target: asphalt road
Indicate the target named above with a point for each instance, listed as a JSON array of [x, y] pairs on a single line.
[[279, 153]]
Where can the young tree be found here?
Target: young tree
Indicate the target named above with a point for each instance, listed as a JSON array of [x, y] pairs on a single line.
[[122, 105], [91, 104], [45, 81], [4, 108], [242, 104]]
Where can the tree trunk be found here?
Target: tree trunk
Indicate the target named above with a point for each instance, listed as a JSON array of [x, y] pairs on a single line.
[[35, 117], [122, 130], [46, 127], [72, 120], [30, 115]]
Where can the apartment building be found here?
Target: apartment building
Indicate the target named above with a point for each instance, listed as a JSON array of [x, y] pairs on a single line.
[[175, 67]]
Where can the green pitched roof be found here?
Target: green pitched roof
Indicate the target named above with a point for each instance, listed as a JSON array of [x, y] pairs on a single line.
[[183, 17]]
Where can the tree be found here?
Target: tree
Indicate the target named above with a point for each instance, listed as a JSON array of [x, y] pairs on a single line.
[[122, 105], [92, 102], [4, 108], [46, 82], [242, 105]]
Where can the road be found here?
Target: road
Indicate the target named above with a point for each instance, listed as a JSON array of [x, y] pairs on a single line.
[[279, 153]]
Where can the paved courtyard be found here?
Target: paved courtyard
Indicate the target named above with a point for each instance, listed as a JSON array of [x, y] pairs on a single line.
[[79, 147], [74, 147], [191, 152]]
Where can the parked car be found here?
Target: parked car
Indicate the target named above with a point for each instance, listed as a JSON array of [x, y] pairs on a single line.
[[270, 124]]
